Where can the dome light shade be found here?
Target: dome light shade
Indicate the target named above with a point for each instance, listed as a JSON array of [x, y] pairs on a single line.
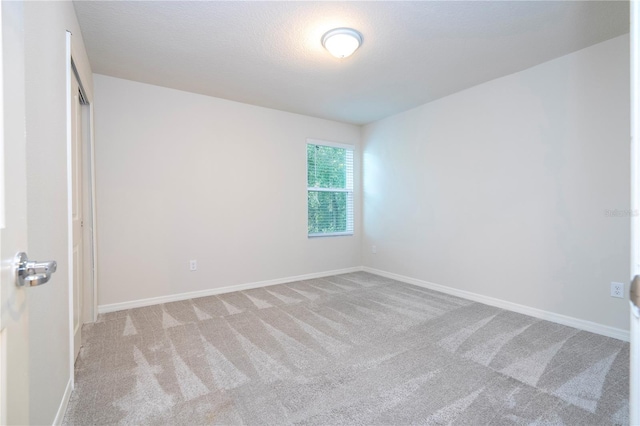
[[342, 42]]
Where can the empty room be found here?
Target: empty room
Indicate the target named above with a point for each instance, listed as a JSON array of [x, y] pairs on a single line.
[[385, 213]]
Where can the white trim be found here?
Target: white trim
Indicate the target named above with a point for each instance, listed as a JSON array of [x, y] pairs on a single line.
[[63, 404], [635, 134], [311, 141], [3, 367], [2, 171], [316, 189], [330, 234], [616, 333], [94, 218], [634, 325], [69, 72], [220, 290]]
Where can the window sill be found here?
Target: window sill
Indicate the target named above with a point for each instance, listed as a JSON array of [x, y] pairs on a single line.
[[331, 234]]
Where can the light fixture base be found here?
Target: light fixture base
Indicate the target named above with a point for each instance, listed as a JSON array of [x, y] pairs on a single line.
[[342, 42]]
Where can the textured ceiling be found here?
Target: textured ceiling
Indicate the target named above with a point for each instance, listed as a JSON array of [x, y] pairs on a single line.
[[269, 53]]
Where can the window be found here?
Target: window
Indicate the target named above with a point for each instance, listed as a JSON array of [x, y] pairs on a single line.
[[329, 188]]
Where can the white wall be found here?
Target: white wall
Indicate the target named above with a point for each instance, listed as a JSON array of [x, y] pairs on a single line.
[[46, 24], [183, 176], [501, 189]]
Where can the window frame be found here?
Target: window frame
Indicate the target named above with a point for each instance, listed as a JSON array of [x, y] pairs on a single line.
[[349, 191]]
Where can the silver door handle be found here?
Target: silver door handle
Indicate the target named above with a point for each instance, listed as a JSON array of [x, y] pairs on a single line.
[[32, 273], [634, 296]]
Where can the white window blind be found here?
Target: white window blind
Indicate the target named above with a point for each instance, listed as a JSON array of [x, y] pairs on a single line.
[[329, 189]]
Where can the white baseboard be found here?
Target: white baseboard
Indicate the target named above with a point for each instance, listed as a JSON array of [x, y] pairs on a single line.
[[616, 333], [220, 290], [593, 327], [63, 404]]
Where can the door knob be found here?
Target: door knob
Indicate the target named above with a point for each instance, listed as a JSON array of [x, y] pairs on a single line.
[[32, 273], [634, 296]]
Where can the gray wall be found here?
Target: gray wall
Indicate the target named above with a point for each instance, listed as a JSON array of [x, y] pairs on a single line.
[[501, 190], [184, 176]]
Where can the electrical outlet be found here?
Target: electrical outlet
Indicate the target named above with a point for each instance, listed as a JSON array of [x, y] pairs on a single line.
[[374, 249], [617, 290], [193, 265]]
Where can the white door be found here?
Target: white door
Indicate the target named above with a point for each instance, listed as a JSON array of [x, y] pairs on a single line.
[[634, 382], [76, 211], [14, 348]]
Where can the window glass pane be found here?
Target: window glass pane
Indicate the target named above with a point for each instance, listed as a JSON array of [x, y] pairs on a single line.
[[328, 212], [327, 166]]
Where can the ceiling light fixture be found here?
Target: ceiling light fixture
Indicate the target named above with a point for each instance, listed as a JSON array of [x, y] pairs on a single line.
[[342, 42]]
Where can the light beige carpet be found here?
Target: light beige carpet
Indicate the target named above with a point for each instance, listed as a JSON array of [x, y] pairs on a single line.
[[349, 349]]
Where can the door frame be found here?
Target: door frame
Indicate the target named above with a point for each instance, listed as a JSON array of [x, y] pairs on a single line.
[[634, 329], [72, 72]]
